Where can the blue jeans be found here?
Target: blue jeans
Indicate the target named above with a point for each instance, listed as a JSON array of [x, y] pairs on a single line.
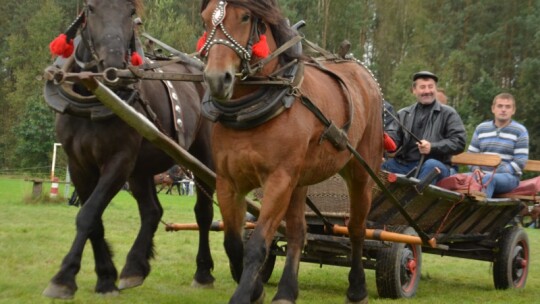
[[501, 183], [391, 165]]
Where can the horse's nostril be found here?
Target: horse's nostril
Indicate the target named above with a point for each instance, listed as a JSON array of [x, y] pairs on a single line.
[[227, 78]]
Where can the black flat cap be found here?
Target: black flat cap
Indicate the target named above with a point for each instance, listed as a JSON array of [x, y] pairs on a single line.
[[425, 74]]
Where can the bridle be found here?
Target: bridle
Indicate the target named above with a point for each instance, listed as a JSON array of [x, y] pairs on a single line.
[[89, 43], [244, 53]]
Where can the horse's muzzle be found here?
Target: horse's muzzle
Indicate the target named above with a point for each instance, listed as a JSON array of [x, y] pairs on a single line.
[[220, 84]]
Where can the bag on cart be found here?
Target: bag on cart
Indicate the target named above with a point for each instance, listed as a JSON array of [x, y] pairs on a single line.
[[462, 182]]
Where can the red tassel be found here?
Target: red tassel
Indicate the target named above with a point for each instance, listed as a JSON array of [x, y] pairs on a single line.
[[389, 144], [201, 42], [261, 48], [136, 59], [60, 46]]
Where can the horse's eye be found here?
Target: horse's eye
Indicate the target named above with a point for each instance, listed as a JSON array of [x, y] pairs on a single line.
[[133, 12], [246, 18], [90, 8]]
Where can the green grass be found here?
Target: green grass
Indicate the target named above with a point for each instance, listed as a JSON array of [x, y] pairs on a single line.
[[34, 237]]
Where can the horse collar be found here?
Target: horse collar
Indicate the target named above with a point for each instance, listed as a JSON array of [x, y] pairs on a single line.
[[257, 108]]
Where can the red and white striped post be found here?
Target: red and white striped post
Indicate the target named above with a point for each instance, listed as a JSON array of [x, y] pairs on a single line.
[[54, 188]]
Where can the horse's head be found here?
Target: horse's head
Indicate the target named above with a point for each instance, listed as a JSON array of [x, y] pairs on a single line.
[[108, 33], [238, 33]]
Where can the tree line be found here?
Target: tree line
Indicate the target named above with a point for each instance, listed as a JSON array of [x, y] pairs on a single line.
[[478, 48]]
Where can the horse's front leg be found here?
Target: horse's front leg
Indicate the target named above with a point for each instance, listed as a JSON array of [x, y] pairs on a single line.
[[63, 284], [233, 211], [137, 265], [296, 234], [360, 200], [276, 197], [89, 226]]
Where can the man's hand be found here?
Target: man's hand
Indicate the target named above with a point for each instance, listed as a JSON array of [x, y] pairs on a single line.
[[424, 146]]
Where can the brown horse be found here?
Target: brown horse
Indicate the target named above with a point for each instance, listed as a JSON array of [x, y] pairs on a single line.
[[163, 180], [103, 151], [292, 145], [171, 178]]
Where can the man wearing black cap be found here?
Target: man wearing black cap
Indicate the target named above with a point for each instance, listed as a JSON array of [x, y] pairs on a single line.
[[428, 133]]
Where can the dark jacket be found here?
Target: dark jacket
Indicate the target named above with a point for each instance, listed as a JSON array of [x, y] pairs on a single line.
[[444, 130]]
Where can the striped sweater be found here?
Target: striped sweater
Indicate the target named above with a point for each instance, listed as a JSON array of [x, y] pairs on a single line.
[[510, 142]]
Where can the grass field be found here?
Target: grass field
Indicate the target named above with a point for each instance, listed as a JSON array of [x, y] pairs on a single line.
[[34, 237]]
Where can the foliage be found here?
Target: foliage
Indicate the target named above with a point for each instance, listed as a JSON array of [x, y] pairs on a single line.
[[27, 54], [174, 22], [35, 135], [478, 48]]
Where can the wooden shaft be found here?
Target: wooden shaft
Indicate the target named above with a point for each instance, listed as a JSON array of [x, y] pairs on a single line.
[[383, 235], [216, 226], [371, 234]]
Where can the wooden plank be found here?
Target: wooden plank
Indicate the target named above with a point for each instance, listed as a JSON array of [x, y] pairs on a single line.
[[477, 159], [532, 165]]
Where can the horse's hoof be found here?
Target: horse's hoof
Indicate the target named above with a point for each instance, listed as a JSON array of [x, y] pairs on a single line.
[[130, 282], [363, 301], [196, 284], [282, 301], [260, 300], [58, 292]]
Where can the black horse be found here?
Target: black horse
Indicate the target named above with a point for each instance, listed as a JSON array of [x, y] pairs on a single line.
[[104, 152]]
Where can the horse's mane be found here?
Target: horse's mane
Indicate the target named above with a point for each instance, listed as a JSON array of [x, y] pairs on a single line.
[[270, 12]]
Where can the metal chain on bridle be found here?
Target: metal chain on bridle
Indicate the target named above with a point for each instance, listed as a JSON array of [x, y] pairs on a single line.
[[245, 53]]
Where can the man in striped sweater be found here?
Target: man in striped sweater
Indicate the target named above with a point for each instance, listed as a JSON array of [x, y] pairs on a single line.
[[505, 137]]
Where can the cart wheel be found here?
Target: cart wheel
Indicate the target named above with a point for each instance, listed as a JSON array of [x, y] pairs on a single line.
[[511, 265], [399, 267]]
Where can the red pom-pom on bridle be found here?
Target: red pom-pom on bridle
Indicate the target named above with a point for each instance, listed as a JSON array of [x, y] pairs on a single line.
[[201, 41], [136, 59], [61, 46], [261, 48]]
